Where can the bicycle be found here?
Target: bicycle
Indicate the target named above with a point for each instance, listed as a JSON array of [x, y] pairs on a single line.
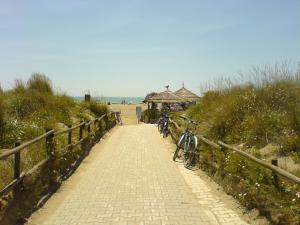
[[188, 142], [163, 125], [159, 123]]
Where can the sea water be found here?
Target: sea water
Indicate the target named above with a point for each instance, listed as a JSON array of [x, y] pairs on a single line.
[[113, 100]]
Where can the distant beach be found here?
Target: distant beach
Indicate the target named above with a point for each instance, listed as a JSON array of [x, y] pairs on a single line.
[[113, 100]]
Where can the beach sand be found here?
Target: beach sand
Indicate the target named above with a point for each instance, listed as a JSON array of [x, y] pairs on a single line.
[[127, 112]]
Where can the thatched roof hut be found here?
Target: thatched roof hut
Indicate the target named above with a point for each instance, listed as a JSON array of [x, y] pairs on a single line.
[[147, 98], [187, 95], [166, 96]]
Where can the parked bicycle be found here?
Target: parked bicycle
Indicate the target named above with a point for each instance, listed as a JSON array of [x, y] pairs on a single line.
[[188, 143], [163, 124]]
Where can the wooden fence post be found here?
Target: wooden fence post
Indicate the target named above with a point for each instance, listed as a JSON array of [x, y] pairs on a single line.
[[116, 118], [95, 125], [50, 144], [106, 122], [70, 136], [275, 176], [17, 169], [89, 127], [53, 174], [81, 131], [100, 128]]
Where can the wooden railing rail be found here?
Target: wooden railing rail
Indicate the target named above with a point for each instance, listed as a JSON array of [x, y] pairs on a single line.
[[222, 145], [48, 137], [175, 124], [57, 133], [10, 152], [275, 169]]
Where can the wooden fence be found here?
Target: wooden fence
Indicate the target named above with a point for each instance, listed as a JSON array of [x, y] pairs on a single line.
[[221, 145], [49, 140]]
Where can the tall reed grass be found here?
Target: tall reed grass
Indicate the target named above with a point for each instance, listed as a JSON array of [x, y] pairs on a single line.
[[262, 107], [263, 110], [30, 108]]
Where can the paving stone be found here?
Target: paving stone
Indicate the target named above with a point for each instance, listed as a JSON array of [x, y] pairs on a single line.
[[131, 179]]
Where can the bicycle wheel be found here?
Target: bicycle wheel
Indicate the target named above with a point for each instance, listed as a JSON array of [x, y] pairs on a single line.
[[176, 153], [161, 127], [165, 132], [190, 152], [179, 146]]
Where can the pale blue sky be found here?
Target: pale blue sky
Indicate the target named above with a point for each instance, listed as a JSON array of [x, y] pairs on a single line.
[[131, 47]]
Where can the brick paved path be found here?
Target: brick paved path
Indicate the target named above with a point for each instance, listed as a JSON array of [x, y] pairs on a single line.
[[130, 178]]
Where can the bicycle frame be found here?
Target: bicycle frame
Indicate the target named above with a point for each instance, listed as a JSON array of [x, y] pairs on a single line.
[[188, 138], [188, 142], [162, 124]]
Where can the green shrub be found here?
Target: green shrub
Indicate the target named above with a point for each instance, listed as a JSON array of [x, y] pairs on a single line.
[[150, 115]]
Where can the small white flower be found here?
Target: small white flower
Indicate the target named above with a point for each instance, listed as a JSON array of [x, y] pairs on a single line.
[[293, 200]]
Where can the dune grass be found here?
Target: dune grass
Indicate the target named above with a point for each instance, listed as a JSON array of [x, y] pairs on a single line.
[[260, 109], [256, 113], [30, 108]]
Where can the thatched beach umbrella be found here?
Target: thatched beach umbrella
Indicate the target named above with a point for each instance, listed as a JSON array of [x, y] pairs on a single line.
[[166, 96], [148, 97], [187, 95]]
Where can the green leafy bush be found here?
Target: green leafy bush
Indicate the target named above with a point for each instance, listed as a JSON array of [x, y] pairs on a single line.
[[150, 115]]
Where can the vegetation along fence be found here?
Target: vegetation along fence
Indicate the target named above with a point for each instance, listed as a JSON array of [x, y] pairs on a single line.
[[221, 145], [92, 128]]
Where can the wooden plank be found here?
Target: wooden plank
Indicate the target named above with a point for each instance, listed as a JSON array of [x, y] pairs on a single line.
[[209, 142], [67, 130], [175, 124], [25, 145], [81, 130], [17, 164], [78, 142], [69, 137], [78, 126], [11, 185], [15, 182], [188, 119], [89, 123], [275, 169], [36, 167], [101, 117]]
